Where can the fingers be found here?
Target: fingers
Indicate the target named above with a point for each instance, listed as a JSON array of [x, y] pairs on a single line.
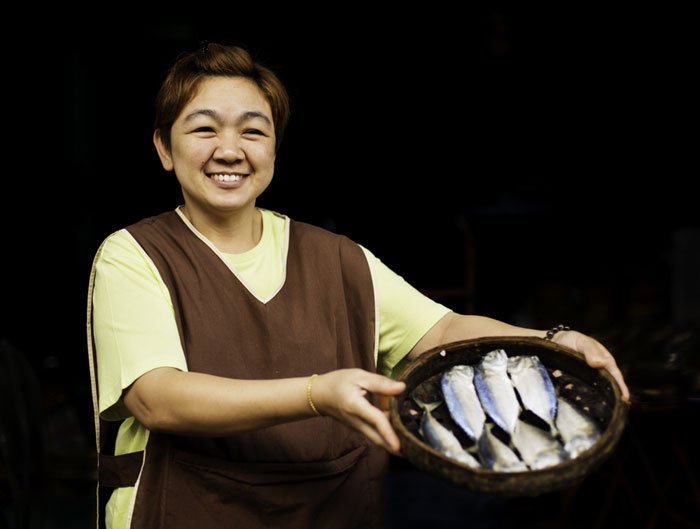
[[374, 424], [382, 385], [617, 375], [372, 421], [342, 395], [596, 356], [599, 357]]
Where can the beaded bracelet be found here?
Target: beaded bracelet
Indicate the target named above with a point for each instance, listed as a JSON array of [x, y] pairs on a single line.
[[554, 330], [308, 394]]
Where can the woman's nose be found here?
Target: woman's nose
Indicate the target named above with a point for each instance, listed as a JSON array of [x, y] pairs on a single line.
[[229, 149]]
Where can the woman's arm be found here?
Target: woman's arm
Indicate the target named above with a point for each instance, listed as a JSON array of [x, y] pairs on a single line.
[[159, 392], [169, 400], [173, 401], [453, 327]]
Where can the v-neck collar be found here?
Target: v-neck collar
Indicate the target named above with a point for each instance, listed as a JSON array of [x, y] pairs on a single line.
[[222, 256]]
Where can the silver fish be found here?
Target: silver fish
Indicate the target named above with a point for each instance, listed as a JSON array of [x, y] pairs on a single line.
[[534, 386], [577, 430], [496, 391], [495, 455], [460, 396], [537, 447], [442, 439]]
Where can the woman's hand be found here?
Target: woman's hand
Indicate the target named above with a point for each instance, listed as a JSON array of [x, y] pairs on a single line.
[[596, 355], [341, 394]]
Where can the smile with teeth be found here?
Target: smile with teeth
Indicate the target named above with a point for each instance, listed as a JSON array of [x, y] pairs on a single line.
[[225, 177]]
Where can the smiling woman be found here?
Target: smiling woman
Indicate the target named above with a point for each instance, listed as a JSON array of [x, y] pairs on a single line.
[[223, 146], [239, 358]]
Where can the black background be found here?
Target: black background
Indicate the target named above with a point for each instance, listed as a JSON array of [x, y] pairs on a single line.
[[546, 157], [561, 138]]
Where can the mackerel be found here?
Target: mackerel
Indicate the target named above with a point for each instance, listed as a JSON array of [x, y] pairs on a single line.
[[535, 387], [496, 455], [577, 430], [496, 391], [442, 439], [537, 447], [460, 396]]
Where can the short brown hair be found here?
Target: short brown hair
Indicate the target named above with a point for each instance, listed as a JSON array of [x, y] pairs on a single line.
[[216, 60]]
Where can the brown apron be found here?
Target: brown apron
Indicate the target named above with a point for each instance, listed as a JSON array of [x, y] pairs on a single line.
[[304, 474]]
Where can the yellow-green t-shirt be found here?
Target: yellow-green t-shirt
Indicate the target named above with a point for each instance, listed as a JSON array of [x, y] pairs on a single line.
[[135, 329]]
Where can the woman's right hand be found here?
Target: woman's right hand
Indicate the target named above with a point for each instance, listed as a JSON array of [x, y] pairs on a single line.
[[341, 394]]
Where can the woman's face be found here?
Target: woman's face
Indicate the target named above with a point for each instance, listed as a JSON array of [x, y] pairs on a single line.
[[222, 146]]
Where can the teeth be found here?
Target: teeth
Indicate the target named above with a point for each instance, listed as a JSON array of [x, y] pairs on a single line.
[[227, 177]]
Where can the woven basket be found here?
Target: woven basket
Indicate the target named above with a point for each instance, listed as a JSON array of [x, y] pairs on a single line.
[[574, 379]]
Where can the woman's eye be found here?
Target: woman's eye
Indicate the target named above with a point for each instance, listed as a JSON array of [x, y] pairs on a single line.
[[203, 129], [254, 131]]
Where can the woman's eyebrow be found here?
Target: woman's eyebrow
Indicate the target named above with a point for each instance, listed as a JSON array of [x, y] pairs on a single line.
[[253, 114], [203, 112], [213, 114]]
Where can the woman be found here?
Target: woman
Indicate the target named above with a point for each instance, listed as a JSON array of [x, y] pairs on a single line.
[[242, 354]]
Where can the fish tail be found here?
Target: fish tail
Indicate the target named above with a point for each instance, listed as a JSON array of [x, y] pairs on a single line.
[[554, 430], [427, 406]]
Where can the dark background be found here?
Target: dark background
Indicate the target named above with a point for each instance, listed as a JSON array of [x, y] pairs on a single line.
[[535, 166]]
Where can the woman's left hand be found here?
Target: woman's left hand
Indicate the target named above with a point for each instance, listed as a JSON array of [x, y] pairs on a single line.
[[596, 355]]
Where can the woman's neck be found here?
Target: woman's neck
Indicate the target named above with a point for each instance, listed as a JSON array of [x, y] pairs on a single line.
[[235, 232]]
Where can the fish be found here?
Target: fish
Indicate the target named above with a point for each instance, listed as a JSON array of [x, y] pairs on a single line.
[[460, 396], [537, 447], [441, 438], [535, 387], [577, 430], [496, 455], [496, 391]]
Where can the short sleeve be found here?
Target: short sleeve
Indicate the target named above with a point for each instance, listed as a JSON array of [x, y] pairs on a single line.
[[133, 321], [405, 314]]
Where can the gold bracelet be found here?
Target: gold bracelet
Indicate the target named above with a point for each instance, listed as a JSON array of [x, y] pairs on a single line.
[[308, 394]]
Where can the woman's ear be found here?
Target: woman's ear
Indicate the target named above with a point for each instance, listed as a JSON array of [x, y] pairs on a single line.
[[163, 152]]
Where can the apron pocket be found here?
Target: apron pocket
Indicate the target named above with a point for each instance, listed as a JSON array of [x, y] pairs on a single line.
[[209, 492], [265, 473]]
